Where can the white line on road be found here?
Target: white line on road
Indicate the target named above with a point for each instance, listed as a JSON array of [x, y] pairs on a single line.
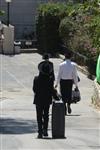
[[14, 77]]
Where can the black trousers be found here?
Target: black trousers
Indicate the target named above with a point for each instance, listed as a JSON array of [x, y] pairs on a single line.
[[66, 90], [42, 117]]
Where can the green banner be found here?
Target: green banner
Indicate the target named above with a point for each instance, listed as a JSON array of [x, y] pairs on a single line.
[[98, 70]]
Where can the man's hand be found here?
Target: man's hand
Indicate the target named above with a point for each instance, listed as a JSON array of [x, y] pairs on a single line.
[[76, 88]]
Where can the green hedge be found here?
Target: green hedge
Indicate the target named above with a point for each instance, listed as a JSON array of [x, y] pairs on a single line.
[[80, 31], [76, 24], [2, 12], [47, 27]]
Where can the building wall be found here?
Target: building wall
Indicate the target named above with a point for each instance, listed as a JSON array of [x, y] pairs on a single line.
[[23, 16]]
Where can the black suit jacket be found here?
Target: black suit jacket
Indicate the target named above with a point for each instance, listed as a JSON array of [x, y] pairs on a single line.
[[43, 90]]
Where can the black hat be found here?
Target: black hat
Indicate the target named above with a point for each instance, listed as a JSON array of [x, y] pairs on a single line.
[[45, 67]]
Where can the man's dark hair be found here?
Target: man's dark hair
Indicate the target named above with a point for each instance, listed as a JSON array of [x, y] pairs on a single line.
[[68, 54], [45, 56]]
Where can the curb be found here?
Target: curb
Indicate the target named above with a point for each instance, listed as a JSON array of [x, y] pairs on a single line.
[[96, 95], [31, 50]]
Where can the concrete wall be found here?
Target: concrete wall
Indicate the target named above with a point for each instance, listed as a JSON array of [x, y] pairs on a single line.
[[8, 43], [96, 95]]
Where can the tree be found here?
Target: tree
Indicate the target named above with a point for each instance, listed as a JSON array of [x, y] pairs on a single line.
[[1, 12]]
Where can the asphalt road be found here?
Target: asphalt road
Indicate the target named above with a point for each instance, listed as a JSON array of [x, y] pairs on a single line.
[[18, 126]]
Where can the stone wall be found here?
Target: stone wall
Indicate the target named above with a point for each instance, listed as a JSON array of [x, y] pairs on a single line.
[[96, 95]]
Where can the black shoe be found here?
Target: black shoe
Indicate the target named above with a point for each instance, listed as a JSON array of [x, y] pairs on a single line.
[[39, 136], [45, 133], [69, 110]]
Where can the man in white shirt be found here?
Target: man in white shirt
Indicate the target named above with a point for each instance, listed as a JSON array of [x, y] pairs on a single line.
[[67, 75]]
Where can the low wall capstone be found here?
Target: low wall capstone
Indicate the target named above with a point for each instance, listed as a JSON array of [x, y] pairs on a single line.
[[96, 94]]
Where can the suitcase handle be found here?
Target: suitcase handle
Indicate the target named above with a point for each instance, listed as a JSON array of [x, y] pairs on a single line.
[[60, 101]]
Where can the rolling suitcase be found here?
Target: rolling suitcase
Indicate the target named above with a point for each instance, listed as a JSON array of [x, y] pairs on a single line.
[[58, 120]]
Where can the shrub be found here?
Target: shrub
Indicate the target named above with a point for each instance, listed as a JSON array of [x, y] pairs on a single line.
[[77, 25], [66, 30], [47, 26], [2, 12], [80, 31]]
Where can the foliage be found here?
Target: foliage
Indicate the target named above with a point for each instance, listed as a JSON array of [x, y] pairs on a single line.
[[66, 30], [2, 12], [49, 16], [83, 24], [76, 24]]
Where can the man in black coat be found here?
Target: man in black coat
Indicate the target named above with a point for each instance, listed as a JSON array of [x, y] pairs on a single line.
[[43, 90]]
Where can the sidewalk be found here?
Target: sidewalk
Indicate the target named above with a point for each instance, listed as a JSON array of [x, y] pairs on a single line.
[[18, 117]]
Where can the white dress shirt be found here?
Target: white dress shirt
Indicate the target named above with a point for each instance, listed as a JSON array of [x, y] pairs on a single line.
[[67, 71]]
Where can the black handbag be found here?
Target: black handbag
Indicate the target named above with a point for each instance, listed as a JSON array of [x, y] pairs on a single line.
[[76, 96]]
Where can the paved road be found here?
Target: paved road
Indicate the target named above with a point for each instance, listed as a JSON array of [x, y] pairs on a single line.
[[18, 118]]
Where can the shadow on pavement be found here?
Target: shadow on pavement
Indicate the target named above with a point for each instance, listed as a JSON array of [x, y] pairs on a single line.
[[17, 126], [73, 115]]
